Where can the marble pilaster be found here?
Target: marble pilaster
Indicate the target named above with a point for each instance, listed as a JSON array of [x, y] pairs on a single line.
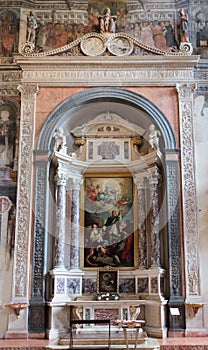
[[176, 299], [190, 220], [189, 203], [21, 269]]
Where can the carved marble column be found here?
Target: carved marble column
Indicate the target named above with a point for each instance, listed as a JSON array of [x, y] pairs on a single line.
[[154, 220], [21, 281], [60, 180], [189, 203], [75, 183], [141, 222], [176, 300]]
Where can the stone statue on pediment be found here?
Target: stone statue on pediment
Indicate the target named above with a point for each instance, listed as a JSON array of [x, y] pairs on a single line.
[[107, 22], [59, 141]]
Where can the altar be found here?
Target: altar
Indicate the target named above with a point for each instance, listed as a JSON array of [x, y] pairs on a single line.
[[107, 244]]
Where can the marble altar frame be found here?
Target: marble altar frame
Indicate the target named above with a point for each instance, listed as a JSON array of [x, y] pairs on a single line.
[[106, 76]]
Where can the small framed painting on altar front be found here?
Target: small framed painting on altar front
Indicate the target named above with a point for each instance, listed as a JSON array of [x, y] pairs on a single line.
[[109, 237], [107, 281]]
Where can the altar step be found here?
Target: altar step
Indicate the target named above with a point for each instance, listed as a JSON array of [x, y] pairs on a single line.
[[150, 344], [99, 341], [177, 343]]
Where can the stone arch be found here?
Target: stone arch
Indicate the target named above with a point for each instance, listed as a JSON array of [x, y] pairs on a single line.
[[65, 110]]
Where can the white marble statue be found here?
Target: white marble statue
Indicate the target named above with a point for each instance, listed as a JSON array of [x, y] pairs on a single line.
[[60, 141], [154, 137]]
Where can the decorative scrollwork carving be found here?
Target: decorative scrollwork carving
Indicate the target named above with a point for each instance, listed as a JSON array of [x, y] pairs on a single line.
[[27, 48], [186, 48]]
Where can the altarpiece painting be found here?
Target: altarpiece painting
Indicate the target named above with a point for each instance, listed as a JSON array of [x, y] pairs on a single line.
[[108, 222]]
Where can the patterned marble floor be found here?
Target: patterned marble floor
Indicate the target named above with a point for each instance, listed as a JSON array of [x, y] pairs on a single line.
[[192, 343]]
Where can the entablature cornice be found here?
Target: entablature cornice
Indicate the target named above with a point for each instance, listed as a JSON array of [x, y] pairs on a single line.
[[10, 77], [69, 164], [107, 71]]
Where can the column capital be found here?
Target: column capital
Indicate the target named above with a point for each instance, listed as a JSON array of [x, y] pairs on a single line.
[[28, 91], [139, 180], [185, 90], [74, 182], [60, 178], [155, 177]]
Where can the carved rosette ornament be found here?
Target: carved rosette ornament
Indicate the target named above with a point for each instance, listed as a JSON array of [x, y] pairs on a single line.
[[24, 192], [190, 220]]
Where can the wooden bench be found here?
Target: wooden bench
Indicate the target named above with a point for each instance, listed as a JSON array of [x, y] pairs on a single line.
[[73, 346]]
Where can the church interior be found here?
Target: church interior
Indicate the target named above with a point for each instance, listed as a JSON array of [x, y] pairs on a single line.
[[103, 190]]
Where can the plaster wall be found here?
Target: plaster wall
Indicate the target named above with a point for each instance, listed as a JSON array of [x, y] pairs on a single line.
[[165, 98]]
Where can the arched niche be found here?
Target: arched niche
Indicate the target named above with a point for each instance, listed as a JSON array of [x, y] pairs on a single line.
[[71, 113]]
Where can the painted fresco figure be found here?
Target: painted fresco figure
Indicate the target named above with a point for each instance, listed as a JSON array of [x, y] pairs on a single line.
[[107, 23], [183, 27], [31, 28], [112, 225]]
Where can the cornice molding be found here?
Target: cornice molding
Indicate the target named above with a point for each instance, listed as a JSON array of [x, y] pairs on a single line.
[[107, 71]]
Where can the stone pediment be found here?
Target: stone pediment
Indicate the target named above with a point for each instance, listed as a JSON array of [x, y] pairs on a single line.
[[97, 44], [108, 125], [108, 138]]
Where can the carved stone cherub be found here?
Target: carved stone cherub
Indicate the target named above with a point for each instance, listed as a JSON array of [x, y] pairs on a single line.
[[60, 140], [154, 137]]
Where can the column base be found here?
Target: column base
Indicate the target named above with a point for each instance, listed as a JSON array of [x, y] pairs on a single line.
[[174, 334], [196, 333], [18, 334]]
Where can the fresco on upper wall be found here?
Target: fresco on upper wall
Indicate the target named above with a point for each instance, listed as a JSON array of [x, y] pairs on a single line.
[[9, 32], [55, 28], [199, 30]]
